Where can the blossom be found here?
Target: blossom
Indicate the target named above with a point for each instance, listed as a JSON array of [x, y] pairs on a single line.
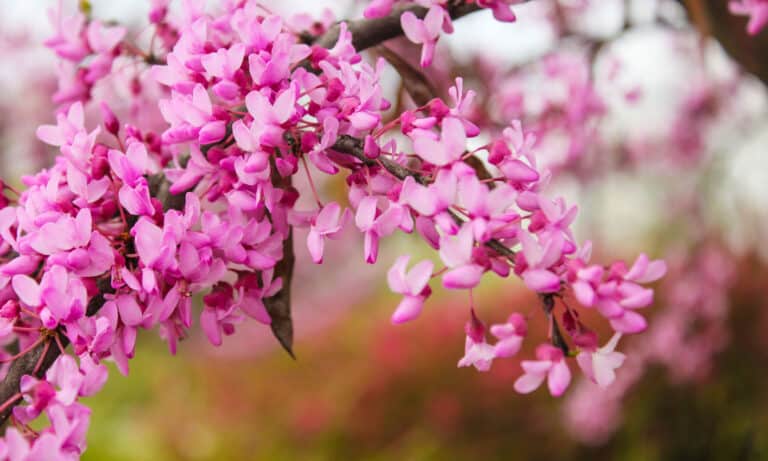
[[425, 32], [413, 285], [327, 224], [477, 352], [375, 226], [510, 335], [550, 366], [599, 364], [446, 150], [757, 10], [456, 253]]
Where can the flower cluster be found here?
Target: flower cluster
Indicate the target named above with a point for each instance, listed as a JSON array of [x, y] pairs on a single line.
[[131, 223]]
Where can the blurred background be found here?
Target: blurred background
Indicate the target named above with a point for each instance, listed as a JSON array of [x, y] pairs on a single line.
[[647, 123]]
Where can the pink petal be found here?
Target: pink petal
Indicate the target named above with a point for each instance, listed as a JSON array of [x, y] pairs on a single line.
[[418, 277], [541, 280], [630, 322], [27, 289], [529, 382], [130, 312], [211, 326], [408, 309], [315, 245], [463, 277], [559, 378]]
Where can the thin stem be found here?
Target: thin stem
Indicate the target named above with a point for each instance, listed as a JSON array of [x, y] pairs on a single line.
[[311, 182], [42, 356]]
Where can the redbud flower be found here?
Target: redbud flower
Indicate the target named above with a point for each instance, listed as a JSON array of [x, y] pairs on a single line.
[[600, 364], [424, 31], [550, 366], [414, 285]]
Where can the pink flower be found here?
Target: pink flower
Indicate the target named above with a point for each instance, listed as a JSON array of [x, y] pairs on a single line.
[[456, 253], [67, 127], [477, 352], [375, 226], [378, 8], [510, 335], [599, 364], [425, 31], [268, 117], [413, 285], [540, 257], [757, 10], [550, 366], [130, 168], [327, 224], [620, 293], [103, 39], [501, 9], [448, 149], [60, 296]]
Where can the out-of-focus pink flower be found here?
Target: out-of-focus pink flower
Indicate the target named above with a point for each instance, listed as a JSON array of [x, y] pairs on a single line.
[[757, 10]]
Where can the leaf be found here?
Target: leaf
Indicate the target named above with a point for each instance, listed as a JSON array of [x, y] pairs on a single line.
[[279, 305]]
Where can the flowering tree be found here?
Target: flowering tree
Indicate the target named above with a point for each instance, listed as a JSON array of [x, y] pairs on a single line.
[[180, 173]]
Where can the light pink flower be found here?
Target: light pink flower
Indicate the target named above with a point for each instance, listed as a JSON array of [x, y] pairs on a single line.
[[600, 364], [456, 253], [477, 352], [510, 335], [550, 366], [413, 285], [327, 224], [425, 32]]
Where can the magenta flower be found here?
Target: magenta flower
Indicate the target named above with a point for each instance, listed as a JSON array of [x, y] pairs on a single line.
[[413, 285], [456, 253], [446, 150], [550, 366], [130, 168], [376, 224], [60, 296], [327, 224], [378, 8], [425, 32], [757, 10]]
